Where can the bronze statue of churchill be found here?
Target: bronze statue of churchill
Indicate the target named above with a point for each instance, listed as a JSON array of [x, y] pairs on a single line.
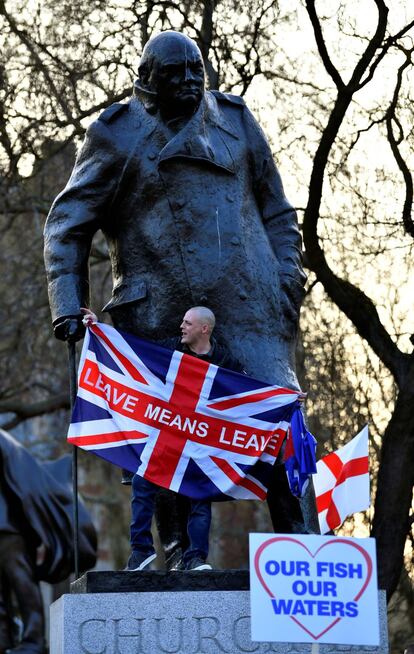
[[183, 185]]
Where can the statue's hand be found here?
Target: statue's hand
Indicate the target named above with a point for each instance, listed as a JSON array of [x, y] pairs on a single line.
[[69, 328]]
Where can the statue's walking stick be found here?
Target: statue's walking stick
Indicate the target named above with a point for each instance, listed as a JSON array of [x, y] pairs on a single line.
[[73, 388]]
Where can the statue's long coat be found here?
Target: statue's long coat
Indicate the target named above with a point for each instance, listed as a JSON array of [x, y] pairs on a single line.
[[197, 217]]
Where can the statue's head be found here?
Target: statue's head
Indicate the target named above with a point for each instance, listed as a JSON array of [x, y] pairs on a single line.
[[171, 71]]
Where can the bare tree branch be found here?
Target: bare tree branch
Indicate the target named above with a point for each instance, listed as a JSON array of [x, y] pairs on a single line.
[[392, 40], [205, 39], [373, 45], [349, 298], [391, 118], [24, 411], [320, 42], [30, 46]]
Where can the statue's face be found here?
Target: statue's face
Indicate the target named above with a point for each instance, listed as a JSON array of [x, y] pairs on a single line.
[[177, 77]]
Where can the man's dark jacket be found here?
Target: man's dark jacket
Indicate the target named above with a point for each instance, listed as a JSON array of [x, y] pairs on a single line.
[[217, 354], [197, 217]]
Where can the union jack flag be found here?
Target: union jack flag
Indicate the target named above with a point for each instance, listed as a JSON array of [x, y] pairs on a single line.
[[180, 422]]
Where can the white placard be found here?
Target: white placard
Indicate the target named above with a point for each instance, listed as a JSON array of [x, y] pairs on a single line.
[[313, 589]]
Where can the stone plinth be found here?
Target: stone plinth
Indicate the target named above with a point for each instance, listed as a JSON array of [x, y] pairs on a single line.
[[156, 612]]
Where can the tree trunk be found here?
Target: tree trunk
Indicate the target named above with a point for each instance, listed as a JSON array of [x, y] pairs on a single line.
[[394, 489]]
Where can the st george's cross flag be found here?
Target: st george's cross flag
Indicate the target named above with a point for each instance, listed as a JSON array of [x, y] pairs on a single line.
[[184, 424], [342, 482]]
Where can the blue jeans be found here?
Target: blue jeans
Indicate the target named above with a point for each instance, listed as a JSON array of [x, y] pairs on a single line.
[[142, 509]]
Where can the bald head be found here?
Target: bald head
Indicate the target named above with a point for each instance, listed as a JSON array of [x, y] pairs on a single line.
[[196, 329], [172, 71], [205, 316]]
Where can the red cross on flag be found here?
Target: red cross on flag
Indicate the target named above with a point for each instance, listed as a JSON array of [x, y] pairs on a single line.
[[342, 483]]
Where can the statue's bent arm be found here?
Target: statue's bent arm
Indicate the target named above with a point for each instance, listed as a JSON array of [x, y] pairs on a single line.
[[77, 213], [279, 218]]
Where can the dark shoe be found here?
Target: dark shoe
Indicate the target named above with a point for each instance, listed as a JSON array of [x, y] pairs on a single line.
[[138, 561], [198, 564], [127, 477], [179, 565], [173, 557]]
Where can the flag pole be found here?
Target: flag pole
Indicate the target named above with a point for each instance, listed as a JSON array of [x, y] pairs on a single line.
[[73, 389]]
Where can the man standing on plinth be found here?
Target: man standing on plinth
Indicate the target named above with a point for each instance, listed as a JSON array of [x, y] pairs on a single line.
[[197, 341], [183, 185]]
